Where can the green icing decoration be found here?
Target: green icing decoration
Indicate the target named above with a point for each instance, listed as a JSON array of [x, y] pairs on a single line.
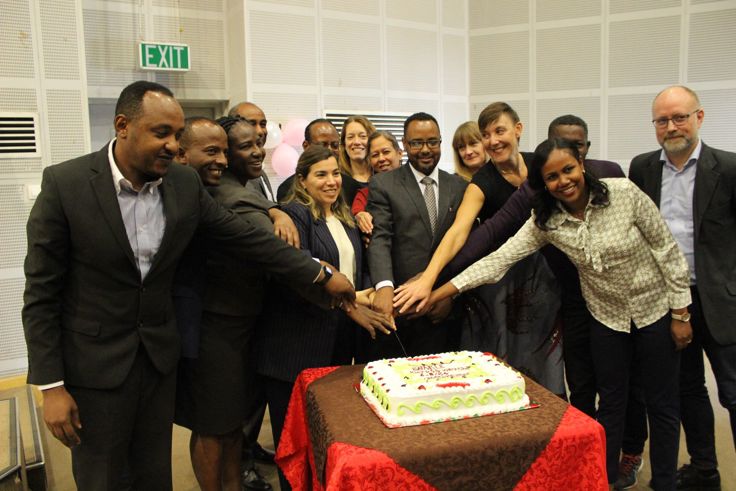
[[471, 400]]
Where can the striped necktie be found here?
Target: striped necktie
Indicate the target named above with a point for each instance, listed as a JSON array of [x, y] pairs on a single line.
[[430, 201]]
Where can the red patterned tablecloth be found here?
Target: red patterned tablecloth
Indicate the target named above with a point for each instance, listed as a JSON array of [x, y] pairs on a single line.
[[574, 458]]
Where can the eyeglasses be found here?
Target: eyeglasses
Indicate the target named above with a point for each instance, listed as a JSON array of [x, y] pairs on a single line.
[[332, 145], [677, 120], [418, 144]]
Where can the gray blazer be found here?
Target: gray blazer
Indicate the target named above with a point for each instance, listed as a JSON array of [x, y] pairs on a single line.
[[86, 309], [714, 209], [402, 243]]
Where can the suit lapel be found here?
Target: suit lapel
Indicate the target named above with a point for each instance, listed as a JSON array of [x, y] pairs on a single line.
[[446, 192], [104, 189], [412, 190], [323, 235], [653, 179], [706, 180]]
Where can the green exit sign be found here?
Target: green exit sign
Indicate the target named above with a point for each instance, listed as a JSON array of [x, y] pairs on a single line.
[[164, 56]]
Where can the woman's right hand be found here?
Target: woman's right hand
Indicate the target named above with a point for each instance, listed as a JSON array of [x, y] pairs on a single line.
[[371, 320], [365, 222], [415, 291]]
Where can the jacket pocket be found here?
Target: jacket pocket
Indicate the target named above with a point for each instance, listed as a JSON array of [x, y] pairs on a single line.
[[81, 326]]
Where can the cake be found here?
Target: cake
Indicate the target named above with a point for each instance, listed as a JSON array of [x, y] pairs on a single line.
[[443, 387]]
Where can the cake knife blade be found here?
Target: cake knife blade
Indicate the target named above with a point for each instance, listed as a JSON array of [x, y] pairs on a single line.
[[400, 343]]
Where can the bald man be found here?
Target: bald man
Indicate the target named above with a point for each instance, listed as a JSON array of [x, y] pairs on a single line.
[[694, 186]]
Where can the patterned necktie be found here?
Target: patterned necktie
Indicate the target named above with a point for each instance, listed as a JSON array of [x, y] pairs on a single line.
[[430, 201]]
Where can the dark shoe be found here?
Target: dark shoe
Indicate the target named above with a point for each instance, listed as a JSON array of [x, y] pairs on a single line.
[[254, 481], [690, 478], [628, 468], [262, 455]]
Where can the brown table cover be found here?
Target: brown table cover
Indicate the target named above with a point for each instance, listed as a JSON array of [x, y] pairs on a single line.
[[490, 452]]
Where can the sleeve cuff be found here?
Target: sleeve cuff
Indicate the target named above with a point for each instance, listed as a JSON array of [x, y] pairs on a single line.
[[383, 283], [50, 386]]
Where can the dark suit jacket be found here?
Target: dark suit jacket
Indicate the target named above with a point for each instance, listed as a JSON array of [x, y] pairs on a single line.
[[714, 210], [86, 308], [292, 333], [497, 229], [402, 242]]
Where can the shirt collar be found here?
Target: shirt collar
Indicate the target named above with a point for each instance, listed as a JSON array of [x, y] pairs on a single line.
[[435, 174], [119, 180], [690, 161]]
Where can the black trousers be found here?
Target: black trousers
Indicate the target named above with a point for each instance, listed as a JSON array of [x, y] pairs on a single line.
[[652, 348], [126, 431], [579, 370]]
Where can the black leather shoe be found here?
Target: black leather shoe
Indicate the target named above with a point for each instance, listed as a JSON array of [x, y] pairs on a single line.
[[254, 481], [262, 455], [690, 478]]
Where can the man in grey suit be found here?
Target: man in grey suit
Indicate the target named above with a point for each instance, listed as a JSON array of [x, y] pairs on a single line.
[[105, 236], [694, 186], [412, 208]]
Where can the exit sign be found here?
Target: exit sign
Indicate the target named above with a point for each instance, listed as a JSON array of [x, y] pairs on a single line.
[[164, 56]]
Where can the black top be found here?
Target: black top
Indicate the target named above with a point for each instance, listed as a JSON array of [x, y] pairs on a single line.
[[495, 188]]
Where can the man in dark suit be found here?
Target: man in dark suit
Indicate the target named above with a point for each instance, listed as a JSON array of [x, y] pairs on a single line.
[[105, 236], [694, 186], [283, 226], [412, 208]]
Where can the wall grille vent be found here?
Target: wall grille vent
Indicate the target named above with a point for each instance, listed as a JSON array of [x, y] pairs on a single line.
[[19, 135]]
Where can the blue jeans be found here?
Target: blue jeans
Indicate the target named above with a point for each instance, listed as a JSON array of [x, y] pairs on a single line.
[[652, 350]]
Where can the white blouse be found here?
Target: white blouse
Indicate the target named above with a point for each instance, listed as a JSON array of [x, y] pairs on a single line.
[[630, 266], [344, 247]]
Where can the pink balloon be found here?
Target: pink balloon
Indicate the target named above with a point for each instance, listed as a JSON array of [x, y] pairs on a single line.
[[293, 132], [283, 160]]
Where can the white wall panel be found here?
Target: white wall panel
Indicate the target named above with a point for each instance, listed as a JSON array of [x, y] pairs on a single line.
[[559, 68], [407, 105], [288, 59], [412, 62], [712, 46], [623, 6], [14, 209], [280, 107], [588, 108], [206, 38], [350, 57], [353, 103], [175, 5], [630, 129], [499, 63], [294, 3], [362, 7], [644, 52], [58, 19], [718, 126], [413, 10], [12, 341], [16, 40], [453, 13], [494, 13], [454, 67], [66, 124], [566, 9], [110, 40]]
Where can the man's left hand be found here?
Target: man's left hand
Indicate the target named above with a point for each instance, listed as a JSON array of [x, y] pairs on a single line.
[[341, 290]]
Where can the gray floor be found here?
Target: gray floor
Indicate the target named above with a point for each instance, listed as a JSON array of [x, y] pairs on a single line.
[[60, 473]]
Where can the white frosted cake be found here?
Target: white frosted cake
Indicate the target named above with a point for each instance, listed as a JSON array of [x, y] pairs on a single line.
[[443, 387]]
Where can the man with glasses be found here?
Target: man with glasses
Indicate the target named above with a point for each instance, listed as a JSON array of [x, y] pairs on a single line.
[[412, 208], [694, 186]]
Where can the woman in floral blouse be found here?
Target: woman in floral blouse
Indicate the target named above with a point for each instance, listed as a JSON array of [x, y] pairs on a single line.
[[634, 279]]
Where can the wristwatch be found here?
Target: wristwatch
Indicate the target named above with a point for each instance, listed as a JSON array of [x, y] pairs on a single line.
[[681, 317], [327, 274]]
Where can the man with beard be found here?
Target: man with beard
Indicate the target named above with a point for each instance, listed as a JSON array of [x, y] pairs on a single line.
[[694, 186]]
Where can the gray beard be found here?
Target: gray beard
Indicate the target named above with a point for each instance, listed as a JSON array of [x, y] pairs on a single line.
[[678, 146]]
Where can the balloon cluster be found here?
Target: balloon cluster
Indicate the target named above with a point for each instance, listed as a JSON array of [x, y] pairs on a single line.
[[287, 143]]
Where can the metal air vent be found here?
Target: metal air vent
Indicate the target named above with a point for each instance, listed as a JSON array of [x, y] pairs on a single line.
[[19, 135]]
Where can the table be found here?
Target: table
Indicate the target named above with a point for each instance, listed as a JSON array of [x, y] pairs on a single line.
[[332, 440]]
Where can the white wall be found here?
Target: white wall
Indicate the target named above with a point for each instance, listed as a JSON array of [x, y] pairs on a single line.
[[604, 61]]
